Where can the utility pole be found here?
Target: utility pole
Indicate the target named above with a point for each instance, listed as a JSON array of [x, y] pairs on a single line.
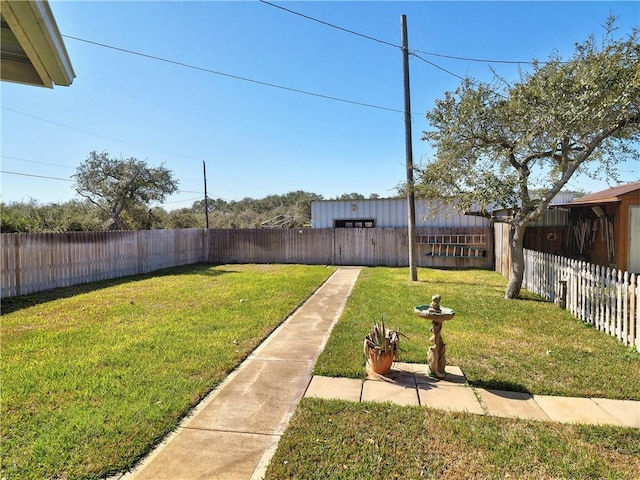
[[206, 202], [411, 200]]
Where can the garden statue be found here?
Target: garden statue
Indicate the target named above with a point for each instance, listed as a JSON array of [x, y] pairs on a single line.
[[437, 352]]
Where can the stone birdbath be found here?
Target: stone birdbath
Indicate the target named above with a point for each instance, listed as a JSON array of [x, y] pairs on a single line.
[[438, 315]]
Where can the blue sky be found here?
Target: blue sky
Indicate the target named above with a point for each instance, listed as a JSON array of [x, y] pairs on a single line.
[[258, 140]]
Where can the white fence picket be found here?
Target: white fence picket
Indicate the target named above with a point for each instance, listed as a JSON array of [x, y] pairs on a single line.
[[603, 297]]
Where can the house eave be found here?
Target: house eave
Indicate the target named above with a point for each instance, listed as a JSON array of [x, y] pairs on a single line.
[[33, 52]]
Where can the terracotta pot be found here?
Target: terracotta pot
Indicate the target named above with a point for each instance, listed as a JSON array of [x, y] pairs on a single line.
[[380, 362]]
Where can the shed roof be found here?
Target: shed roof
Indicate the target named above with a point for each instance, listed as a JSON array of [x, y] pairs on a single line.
[[610, 195]]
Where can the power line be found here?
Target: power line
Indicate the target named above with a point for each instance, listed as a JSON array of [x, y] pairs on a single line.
[[469, 59], [235, 77], [182, 201], [37, 176], [331, 25], [34, 161], [95, 134], [99, 135], [436, 66], [411, 51]]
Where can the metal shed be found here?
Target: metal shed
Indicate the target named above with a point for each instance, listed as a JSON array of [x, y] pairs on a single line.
[[384, 213]]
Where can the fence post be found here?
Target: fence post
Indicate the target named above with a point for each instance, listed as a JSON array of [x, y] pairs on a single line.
[[626, 321], [634, 311], [618, 293]]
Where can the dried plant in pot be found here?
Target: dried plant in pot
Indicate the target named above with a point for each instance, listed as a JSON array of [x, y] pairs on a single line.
[[381, 347]]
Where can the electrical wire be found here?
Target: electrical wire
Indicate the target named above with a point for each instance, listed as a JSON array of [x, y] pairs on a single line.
[[97, 134], [235, 77], [34, 161], [469, 59], [331, 25], [185, 200], [437, 66], [37, 176], [411, 51]]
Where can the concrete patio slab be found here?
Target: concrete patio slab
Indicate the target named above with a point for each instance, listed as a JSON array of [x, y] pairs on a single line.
[[511, 404], [381, 391], [574, 410], [335, 388], [454, 398], [206, 454], [396, 375], [626, 412], [453, 375]]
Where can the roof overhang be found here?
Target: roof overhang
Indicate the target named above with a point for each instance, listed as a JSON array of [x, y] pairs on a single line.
[[608, 196], [595, 201], [32, 50]]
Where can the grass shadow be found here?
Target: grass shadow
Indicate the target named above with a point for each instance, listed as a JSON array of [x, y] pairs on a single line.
[[505, 385], [13, 304]]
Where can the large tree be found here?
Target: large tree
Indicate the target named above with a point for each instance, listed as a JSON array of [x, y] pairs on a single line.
[[122, 185], [514, 146]]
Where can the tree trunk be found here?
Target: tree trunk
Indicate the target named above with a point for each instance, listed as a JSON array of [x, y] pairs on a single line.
[[118, 222], [516, 249]]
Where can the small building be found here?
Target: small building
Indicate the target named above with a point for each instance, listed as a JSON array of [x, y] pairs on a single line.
[[386, 212], [604, 227], [443, 238]]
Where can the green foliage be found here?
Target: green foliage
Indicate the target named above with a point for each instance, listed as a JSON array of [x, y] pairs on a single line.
[[382, 340], [515, 146], [291, 210], [122, 186], [30, 217], [184, 218], [255, 213]]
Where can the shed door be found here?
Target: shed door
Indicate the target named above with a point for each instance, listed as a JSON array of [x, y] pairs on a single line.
[[634, 239]]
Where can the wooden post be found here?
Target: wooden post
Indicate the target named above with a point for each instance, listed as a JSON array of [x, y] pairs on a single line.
[[411, 201]]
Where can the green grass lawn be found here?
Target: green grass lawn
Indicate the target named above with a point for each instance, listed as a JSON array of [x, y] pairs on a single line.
[[330, 439], [93, 376], [525, 345], [522, 345]]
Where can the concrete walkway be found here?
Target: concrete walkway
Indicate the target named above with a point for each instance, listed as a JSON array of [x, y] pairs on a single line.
[[233, 433], [410, 384]]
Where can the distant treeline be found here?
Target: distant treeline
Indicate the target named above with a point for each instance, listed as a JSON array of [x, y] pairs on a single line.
[[291, 210]]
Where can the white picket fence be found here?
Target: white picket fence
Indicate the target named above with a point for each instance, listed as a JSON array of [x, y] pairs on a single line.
[[603, 297]]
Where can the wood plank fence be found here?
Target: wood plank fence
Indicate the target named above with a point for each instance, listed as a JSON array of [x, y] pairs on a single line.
[[603, 297], [353, 246], [35, 262], [43, 261]]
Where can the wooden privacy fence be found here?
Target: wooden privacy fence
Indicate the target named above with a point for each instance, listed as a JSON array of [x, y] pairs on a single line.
[[42, 261], [468, 247], [603, 297], [37, 262]]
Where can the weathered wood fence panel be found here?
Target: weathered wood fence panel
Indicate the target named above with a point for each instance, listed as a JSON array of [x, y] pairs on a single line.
[[501, 250], [307, 246], [603, 297], [339, 246], [36, 262]]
